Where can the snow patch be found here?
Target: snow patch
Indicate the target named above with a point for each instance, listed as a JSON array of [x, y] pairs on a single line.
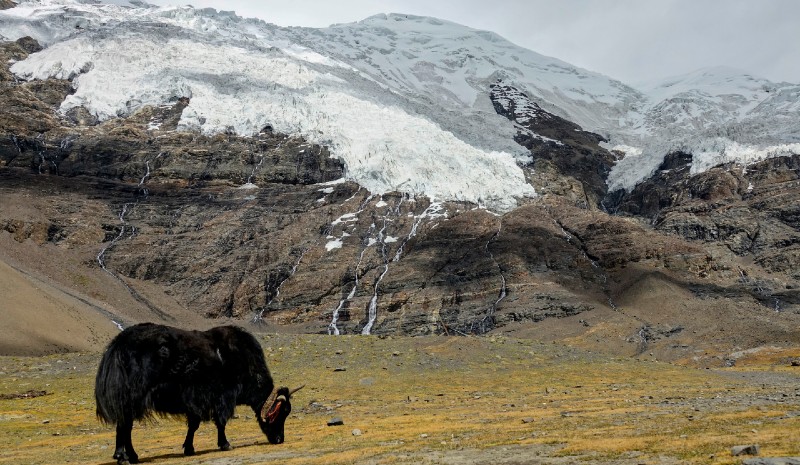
[[726, 151], [333, 244], [626, 150], [346, 218], [334, 182]]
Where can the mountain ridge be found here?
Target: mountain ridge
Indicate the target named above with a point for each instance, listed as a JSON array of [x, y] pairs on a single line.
[[234, 172]]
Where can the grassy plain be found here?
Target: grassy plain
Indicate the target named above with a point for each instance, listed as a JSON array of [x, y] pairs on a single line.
[[448, 400]]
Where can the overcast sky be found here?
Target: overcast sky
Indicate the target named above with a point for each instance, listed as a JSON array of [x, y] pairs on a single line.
[[630, 40]]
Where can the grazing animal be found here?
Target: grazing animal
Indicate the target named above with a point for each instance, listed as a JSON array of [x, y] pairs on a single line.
[[152, 369]]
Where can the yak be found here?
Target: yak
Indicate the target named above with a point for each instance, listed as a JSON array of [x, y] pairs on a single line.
[[150, 369]]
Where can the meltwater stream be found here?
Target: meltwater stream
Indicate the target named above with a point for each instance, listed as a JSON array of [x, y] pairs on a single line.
[[130, 230]]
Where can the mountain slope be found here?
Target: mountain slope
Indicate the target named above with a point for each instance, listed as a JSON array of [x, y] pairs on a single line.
[[197, 163]]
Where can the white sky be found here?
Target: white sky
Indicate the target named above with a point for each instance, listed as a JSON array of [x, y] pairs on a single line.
[[630, 40]]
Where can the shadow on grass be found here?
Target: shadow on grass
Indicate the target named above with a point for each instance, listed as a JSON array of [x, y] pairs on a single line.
[[178, 455]]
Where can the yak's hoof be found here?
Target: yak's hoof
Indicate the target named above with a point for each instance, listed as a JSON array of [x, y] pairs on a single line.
[[226, 446], [187, 451], [125, 459]]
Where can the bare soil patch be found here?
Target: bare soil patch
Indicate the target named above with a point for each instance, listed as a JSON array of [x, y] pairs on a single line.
[[29, 394]]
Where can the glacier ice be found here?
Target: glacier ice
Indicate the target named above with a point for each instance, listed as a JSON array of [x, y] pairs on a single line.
[[401, 99]]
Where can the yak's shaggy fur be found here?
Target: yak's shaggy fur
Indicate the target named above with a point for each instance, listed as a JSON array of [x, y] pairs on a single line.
[[154, 369]]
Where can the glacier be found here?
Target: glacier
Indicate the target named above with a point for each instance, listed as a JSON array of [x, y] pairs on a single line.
[[718, 114], [124, 58], [402, 100]]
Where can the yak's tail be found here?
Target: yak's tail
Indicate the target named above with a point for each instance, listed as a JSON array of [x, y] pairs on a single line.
[[118, 389]]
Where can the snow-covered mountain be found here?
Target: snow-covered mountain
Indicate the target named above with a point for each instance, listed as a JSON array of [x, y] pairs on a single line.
[[442, 64], [717, 114], [402, 100]]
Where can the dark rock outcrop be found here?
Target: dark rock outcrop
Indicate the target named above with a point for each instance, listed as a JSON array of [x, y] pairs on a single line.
[[557, 145], [752, 211]]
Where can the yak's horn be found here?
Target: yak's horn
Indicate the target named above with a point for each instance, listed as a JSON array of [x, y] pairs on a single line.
[[297, 389], [281, 399]]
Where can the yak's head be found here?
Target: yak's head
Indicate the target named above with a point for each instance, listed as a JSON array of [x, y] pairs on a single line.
[[273, 414]]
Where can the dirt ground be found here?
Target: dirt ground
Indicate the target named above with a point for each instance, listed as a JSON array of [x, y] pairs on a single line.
[[62, 305]]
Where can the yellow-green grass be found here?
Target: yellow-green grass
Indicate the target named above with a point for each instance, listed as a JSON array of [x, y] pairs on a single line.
[[427, 400]]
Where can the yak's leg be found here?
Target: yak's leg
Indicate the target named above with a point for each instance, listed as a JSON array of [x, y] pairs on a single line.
[[188, 445], [119, 450], [222, 441], [124, 452], [133, 457]]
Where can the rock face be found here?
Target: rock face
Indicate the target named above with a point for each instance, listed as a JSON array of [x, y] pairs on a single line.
[[263, 228], [570, 160], [748, 212]]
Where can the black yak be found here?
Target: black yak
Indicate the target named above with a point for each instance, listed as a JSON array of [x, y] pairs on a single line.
[[152, 369]]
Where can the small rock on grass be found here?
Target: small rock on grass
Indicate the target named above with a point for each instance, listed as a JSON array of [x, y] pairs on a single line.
[[750, 449], [336, 421], [773, 461], [527, 420], [356, 432]]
